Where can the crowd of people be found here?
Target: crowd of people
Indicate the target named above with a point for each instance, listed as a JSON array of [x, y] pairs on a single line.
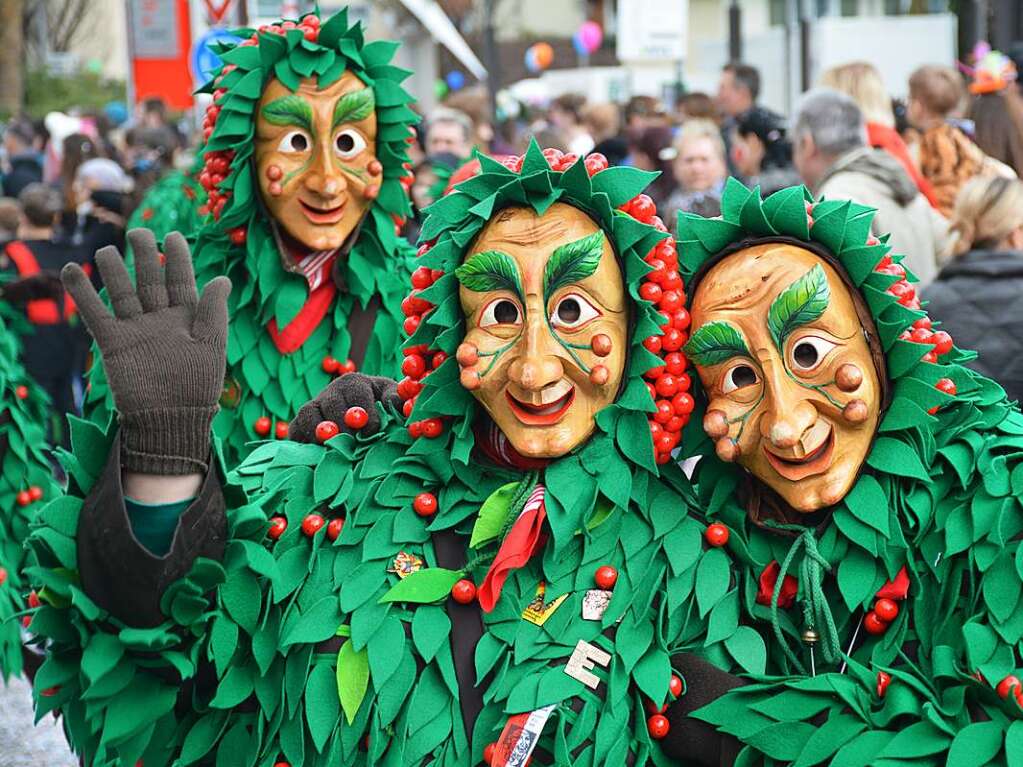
[[940, 168]]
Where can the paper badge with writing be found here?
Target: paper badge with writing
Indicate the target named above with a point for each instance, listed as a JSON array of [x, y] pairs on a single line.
[[405, 564], [538, 611], [519, 737]]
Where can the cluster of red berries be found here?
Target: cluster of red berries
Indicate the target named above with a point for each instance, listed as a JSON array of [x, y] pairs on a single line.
[[31, 495], [264, 425], [877, 620], [668, 383], [657, 724], [336, 367], [309, 26], [216, 167], [34, 603], [311, 525], [419, 360]]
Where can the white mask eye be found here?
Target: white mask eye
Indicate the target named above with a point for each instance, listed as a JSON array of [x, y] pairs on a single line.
[[572, 311], [739, 377], [501, 311], [348, 143], [294, 141], [808, 352]]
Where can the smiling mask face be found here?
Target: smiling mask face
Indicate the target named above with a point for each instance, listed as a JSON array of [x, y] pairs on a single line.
[[794, 395], [546, 326], [316, 158]]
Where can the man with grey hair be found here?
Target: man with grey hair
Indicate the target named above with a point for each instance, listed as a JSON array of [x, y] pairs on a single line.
[[448, 131], [831, 153]]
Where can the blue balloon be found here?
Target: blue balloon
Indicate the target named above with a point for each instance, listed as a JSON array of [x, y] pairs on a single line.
[[580, 45], [455, 80]]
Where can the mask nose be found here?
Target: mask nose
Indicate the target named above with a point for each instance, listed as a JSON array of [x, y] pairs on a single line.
[[538, 364]]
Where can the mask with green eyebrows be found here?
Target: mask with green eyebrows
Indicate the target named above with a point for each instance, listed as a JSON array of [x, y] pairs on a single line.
[[546, 326]]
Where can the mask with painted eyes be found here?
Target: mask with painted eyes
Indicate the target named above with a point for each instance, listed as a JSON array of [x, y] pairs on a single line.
[[794, 395], [546, 326], [315, 158]]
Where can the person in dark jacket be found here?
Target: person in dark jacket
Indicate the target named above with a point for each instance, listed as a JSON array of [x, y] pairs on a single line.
[[761, 150], [23, 164], [979, 295]]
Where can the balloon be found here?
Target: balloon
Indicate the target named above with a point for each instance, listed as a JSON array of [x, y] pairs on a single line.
[[579, 45], [591, 35], [538, 57], [530, 60], [455, 80], [440, 89]]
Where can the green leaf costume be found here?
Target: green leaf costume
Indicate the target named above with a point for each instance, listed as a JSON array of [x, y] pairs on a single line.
[[262, 381], [26, 482], [170, 205]]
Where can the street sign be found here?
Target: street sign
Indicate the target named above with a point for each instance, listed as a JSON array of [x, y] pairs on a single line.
[[159, 42], [652, 30], [203, 61]]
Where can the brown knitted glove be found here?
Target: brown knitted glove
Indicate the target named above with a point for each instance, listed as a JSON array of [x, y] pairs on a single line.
[[163, 351], [331, 404]]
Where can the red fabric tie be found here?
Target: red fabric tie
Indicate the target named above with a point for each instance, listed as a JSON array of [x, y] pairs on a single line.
[[521, 542], [306, 321]]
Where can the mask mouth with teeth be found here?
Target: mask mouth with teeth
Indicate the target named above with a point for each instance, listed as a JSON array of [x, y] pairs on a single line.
[[536, 317]]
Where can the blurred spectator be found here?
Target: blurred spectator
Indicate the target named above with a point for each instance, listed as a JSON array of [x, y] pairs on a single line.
[[832, 155], [761, 151], [699, 168], [738, 89], [431, 179], [474, 101], [152, 113], [948, 158], [651, 149], [148, 154], [546, 136], [998, 125], [978, 296], [604, 123], [861, 81], [53, 350], [23, 165], [566, 114], [76, 149], [99, 194], [10, 218], [642, 112], [698, 106], [450, 131]]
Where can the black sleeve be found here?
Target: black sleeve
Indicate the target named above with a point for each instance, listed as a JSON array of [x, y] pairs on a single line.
[[691, 741], [118, 573]]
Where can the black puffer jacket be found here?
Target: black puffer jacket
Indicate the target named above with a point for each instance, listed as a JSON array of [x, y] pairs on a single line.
[[979, 299]]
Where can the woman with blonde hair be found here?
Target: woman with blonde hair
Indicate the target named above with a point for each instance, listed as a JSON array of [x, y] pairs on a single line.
[[861, 81], [978, 296]]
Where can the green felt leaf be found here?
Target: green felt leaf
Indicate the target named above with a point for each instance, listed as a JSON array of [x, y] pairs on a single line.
[[712, 579], [975, 745], [321, 703], [352, 678], [490, 270], [354, 106], [492, 515], [1014, 743], [572, 262], [428, 585], [831, 736], [714, 343], [430, 627], [748, 648], [800, 303]]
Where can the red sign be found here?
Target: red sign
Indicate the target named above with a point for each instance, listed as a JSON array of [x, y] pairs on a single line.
[[216, 11], [160, 38]]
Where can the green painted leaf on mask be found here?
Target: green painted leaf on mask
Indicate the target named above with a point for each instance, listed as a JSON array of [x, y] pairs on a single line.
[[714, 343], [490, 270], [800, 303], [354, 106], [572, 262]]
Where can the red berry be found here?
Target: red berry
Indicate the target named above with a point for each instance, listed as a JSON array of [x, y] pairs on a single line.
[[35, 492], [942, 342], [331, 365], [650, 291], [675, 363], [262, 426], [439, 358], [422, 278], [464, 591], [432, 428], [873, 624], [886, 609], [277, 527], [664, 442], [356, 418], [657, 726], [946, 385], [334, 527], [21, 392], [642, 208], [923, 322], [312, 524], [664, 411], [23, 498], [672, 281], [716, 535], [3, 576], [671, 301], [667, 385], [652, 344], [682, 402], [675, 685], [414, 366], [675, 423], [410, 324], [237, 235], [415, 429], [920, 335], [33, 600], [406, 408], [672, 340], [605, 577], [882, 683], [680, 319], [348, 366], [425, 504], [281, 430], [1006, 686], [326, 430]]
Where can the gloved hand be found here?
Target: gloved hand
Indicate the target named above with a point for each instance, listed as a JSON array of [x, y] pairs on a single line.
[[163, 351], [331, 404], [690, 740], [43, 285]]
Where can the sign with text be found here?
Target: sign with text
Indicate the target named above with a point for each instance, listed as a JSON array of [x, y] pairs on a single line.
[[652, 30], [160, 41]]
